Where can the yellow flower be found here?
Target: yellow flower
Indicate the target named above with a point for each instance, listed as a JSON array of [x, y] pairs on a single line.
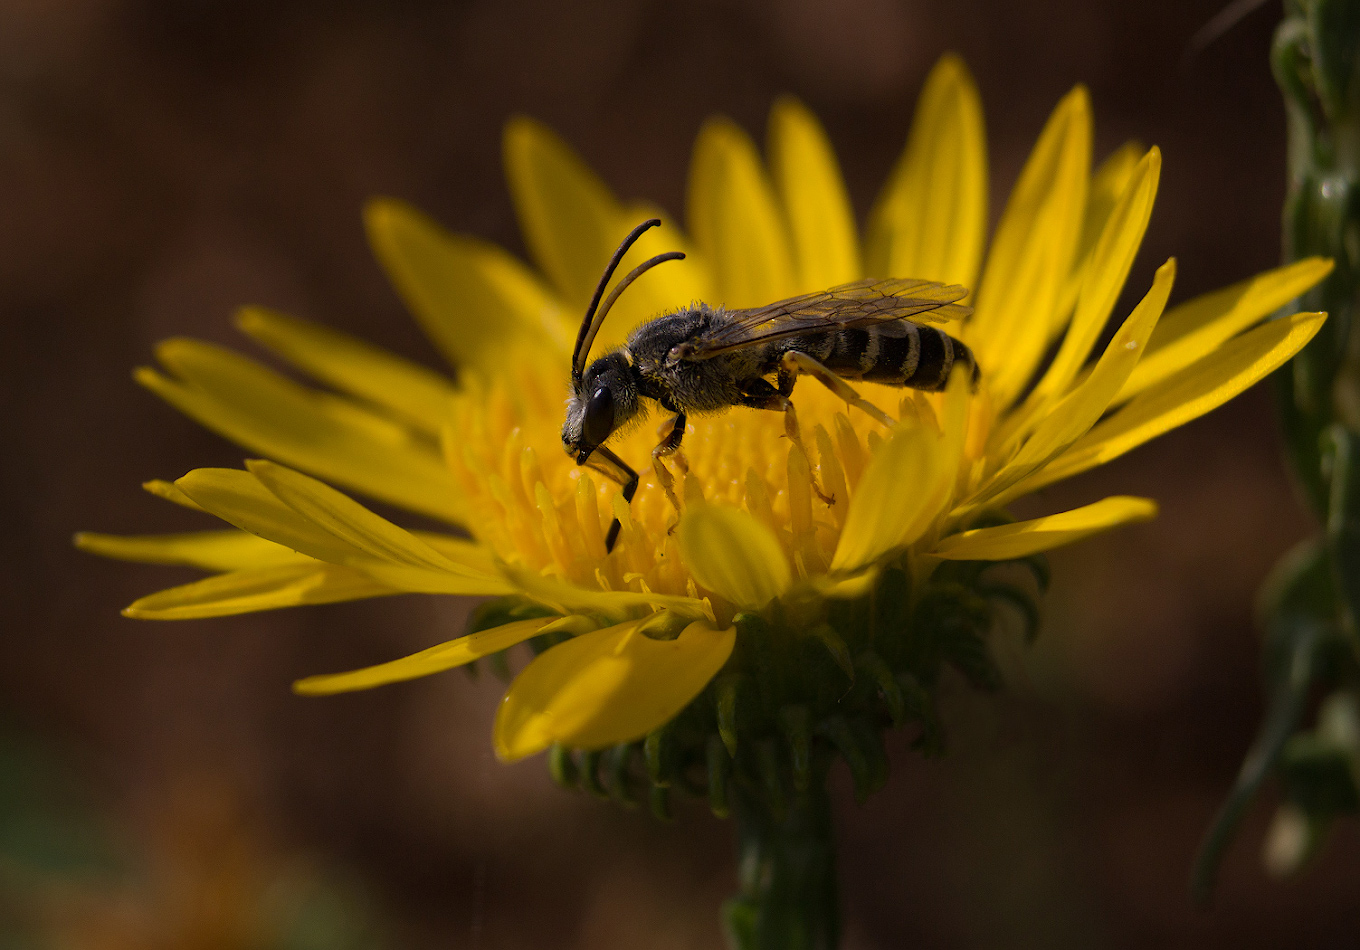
[[639, 632]]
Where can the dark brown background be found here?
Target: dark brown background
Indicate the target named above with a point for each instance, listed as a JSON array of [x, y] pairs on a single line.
[[164, 160]]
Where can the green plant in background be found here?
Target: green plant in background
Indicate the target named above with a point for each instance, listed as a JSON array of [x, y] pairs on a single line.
[[1310, 607], [200, 876]]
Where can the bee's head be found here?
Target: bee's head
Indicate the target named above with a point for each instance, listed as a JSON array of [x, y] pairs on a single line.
[[604, 401]]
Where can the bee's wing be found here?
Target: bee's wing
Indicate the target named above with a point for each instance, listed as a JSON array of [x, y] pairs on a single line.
[[871, 300]]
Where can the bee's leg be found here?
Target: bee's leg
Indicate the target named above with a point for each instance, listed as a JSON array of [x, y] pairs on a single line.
[[761, 395], [623, 474], [796, 363], [669, 445]]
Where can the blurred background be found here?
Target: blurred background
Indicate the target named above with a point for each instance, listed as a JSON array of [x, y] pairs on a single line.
[[162, 161]]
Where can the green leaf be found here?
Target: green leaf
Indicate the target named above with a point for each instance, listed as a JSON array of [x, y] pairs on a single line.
[[1341, 449], [1300, 624], [1335, 28], [1318, 776]]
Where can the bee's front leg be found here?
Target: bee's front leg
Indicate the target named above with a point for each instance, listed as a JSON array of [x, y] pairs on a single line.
[[670, 445]]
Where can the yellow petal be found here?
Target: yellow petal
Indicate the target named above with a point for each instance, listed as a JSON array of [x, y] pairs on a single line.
[[469, 554], [732, 554], [1197, 327], [735, 220], [931, 219], [1108, 184], [1018, 302], [473, 299], [610, 686], [567, 214], [1187, 395], [171, 493], [415, 394], [436, 659], [894, 493], [569, 599], [328, 436], [254, 589], [210, 550], [1083, 406], [1104, 278], [346, 519], [821, 222], [1042, 534], [572, 224], [239, 498]]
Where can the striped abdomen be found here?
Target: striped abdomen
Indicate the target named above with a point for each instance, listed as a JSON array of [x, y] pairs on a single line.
[[900, 353]]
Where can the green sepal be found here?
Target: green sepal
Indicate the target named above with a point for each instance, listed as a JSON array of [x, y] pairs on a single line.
[[1020, 600], [827, 636], [877, 671], [728, 692], [658, 753], [660, 802], [719, 773], [838, 730], [617, 762], [590, 774], [562, 767], [871, 741], [920, 705], [771, 778], [796, 724]]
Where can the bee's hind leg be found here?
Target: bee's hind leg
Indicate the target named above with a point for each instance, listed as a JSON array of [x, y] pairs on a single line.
[[761, 395], [795, 364], [670, 445]]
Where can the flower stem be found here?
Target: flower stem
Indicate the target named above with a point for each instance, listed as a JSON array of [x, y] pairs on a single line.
[[786, 867]]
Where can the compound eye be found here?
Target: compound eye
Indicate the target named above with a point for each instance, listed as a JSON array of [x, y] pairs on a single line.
[[599, 420]]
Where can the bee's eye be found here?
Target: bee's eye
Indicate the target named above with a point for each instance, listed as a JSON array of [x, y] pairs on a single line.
[[599, 420]]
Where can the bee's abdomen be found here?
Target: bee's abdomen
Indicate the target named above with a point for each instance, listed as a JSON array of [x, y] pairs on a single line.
[[898, 354]]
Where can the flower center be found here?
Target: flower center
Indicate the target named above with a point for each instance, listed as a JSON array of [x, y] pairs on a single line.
[[535, 507]]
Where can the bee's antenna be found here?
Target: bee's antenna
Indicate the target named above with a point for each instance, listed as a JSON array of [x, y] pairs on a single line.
[[619, 288], [590, 325]]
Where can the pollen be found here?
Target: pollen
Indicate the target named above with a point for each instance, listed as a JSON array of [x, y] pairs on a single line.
[[535, 508]]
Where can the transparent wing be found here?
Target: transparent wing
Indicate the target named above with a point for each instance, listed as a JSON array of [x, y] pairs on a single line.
[[871, 300]]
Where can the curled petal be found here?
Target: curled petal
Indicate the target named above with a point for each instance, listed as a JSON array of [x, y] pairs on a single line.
[[331, 437], [732, 554], [1196, 328], [1074, 415], [899, 487], [211, 550], [437, 659], [605, 687], [1042, 534], [1187, 395], [345, 519], [241, 499], [256, 589]]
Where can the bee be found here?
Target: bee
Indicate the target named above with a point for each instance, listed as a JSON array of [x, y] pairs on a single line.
[[702, 359]]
